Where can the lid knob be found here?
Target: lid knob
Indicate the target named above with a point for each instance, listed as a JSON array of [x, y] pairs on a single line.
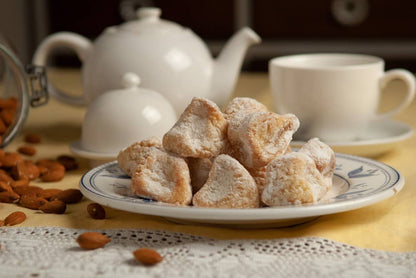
[[149, 13], [130, 80]]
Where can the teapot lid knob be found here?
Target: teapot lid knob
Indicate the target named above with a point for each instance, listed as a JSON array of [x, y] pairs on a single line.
[[130, 80], [149, 13]]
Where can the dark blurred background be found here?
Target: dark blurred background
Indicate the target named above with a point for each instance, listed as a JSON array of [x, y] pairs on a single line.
[[384, 28]]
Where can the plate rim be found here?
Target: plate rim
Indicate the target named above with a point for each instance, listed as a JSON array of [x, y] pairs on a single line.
[[267, 213]]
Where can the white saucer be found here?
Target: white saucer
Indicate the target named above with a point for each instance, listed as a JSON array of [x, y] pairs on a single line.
[[379, 138], [95, 158], [358, 182]]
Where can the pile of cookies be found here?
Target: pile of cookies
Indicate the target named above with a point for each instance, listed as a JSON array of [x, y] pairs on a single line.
[[236, 158]]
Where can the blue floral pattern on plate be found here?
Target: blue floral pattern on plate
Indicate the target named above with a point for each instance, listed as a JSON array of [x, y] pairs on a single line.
[[357, 182]]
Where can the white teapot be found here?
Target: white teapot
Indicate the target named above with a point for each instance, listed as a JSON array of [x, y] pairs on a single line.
[[169, 59]]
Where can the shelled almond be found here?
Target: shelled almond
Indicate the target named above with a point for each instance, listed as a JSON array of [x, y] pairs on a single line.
[[92, 240], [50, 170], [32, 201], [56, 207], [147, 256], [27, 150], [16, 174], [96, 211], [8, 108], [68, 196], [32, 138], [15, 218], [8, 197]]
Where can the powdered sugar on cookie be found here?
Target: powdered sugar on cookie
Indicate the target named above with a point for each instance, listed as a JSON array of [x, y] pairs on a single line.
[[239, 158]]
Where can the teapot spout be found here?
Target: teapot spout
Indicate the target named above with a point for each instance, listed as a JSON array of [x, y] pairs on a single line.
[[228, 64]]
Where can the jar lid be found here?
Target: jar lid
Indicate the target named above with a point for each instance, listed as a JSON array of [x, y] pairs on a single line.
[[18, 91]]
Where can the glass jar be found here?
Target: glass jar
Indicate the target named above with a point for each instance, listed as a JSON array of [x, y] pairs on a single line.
[[20, 88]]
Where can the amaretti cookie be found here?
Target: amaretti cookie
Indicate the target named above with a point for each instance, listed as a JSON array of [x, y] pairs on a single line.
[[243, 104], [129, 157], [199, 132], [292, 179], [323, 156], [259, 137], [162, 177], [229, 185], [199, 169]]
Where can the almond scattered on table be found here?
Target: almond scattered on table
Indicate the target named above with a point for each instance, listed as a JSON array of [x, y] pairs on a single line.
[[8, 197], [96, 211], [92, 240], [69, 196], [33, 138], [8, 160], [25, 170], [50, 170], [56, 207], [147, 256], [16, 173], [15, 218], [27, 150], [32, 201], [49, 193], [4, 186], [68, 161], [28, 190]]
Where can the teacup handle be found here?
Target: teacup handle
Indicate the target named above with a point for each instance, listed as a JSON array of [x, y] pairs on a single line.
[[75, 42], [409, 79]]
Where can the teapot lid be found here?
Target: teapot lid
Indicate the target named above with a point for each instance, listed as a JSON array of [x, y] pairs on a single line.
[[150, 21]]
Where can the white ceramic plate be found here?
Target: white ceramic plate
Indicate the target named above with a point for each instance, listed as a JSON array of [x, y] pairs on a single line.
[[379, 138], [358, 182]]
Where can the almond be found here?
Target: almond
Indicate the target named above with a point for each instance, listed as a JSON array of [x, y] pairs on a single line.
[[7, 115], [3, 127], [96, 211], [27, 150], [68, 161], [9, 160], [147, 256], [22, 182], [25, 170], [4, 186], [8, 197], [28, 190], [15, 218], [6, 178], [49, 193], [57, 207], [31, 201], [92, 240], [32, 138], [1, 223], [68, 196], [8, 103], [51, 170]]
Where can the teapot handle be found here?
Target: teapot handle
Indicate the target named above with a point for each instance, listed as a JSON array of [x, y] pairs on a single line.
[[77, 43]]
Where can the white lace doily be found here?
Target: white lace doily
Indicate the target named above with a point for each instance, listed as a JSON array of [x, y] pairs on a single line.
[[53, 252]]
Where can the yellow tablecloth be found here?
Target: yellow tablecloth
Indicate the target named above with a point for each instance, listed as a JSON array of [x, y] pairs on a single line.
[[389, 225]]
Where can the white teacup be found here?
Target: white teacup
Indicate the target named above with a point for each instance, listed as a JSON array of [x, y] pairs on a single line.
[[335, 96]]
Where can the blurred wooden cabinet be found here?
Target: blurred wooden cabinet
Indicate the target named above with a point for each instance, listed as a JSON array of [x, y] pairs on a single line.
[[380, 27]]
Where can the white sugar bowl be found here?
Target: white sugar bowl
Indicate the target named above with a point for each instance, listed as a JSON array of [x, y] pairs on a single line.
[[119, 118]]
